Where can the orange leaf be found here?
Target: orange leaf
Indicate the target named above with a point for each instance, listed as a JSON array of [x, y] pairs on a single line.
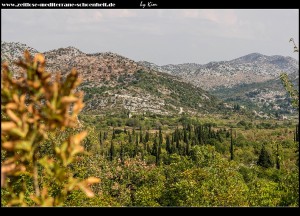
[[69, 99], [6, 126], [12, 106], [79, 137], [39, 58], [13, 116], [8, 145], [92, 180], [88, 192]]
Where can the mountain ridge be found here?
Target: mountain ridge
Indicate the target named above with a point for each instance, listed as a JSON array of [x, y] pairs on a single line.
[[113, 84], [251, 68], [107, 76]]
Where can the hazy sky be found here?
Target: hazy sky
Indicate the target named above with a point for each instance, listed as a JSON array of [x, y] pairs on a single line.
[[161, 36]]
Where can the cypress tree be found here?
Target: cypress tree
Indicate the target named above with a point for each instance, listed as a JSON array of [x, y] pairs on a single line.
[[136, 141], [231, 146], [154, 148], [200, 134], [136, 146], [209, 131], [100, 140], [265, 158], [168, 145], [105, 135], [114, 134], [187, 152], [87, 144], [122, 153], [277, 157], [174, 150], [147, 136], [184, 135], [158, 155], [190, 131], [112, 151], [141, 135], [148, 148], [160, 137], [177, 144], [129, 138]]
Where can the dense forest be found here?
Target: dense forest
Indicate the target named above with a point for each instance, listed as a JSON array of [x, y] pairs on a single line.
[[51, 156]]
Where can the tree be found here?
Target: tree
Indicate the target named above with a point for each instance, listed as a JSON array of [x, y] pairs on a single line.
[[113, 134], [122, 153], [168, 145], [187, 147], [158, 154], [147, 137], [231, 146], [111, 151], [100, 139], [277, 157], [154, 147], [160, 137], [87, 144], [288, 85], [33, 106], [265, 158], [141, 135]]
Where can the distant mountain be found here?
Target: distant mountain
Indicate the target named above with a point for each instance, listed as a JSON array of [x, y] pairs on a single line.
[[12, 51], [116, 84], [267, 97], [252, 68]]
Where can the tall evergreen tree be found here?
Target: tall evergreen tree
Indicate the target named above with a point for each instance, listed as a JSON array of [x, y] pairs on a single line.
[[100, 140], [87, 144], [265, 158], [111, 151], [187, 152], [168, 145], [114, 134], [154, 148], [158, 155], [177, 144], [209, 131], [148, 148], [160, 137], [141, 135], [129, 138], [277, 157], [190, 131], [147, 136], [136, 141], [136, 146], [231, 146], [105, 134], [185, 135], [122, 153]]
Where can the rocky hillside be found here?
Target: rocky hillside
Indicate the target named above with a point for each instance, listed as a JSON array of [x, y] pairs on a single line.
[[113, 83], [12, 51], [252, 68], [265, 97]]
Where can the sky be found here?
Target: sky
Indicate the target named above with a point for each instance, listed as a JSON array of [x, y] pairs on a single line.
[[161, 36]]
